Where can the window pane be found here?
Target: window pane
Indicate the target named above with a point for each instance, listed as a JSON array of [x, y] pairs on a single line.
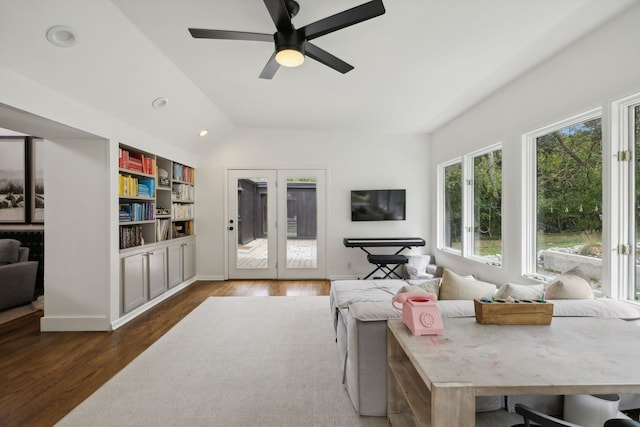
[[487, 205], [301, 223], [453, 206], [252, 223], [569, 201]]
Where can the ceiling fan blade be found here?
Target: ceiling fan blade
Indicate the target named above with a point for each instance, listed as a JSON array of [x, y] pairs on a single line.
[[343, 19], [199, 33], [324, 57], [280, 15], [270, 69]]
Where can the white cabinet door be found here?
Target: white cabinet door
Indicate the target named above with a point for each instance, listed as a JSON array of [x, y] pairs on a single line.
[[175, 264], [134, 281], [188, 260], [157, 272]]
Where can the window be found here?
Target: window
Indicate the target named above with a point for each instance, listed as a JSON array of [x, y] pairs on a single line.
[[563, 200], [625, 195], [470, 220], [450, 176], [484, 191]]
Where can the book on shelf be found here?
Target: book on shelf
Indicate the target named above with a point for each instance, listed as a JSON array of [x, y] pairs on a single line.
[[137, 212], [137, 162], [125, 213], [182, 192], [182, 211], [183, 173], [131, 236], [146, 187], [128, 185], [162, 229]]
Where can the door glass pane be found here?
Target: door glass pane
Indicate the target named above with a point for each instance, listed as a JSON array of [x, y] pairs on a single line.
[[252, 223], [453, 206], [487, 204], [569, 202], [302, 222]]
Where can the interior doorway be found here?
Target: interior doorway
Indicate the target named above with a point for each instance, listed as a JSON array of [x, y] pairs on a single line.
[[276, 224]]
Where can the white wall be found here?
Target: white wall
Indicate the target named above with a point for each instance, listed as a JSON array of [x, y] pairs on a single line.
[[77, 248], [353, 161], [593, 72], [79, 293]]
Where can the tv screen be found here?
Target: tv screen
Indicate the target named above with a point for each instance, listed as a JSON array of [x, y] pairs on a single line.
[[378, 205]]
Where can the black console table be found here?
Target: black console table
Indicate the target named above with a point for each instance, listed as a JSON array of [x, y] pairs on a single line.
[[382, 261]]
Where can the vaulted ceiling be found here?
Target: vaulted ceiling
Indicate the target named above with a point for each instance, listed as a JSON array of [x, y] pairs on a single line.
[[417, 66]]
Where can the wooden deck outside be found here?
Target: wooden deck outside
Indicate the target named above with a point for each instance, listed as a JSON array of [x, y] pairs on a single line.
[[300, 254]]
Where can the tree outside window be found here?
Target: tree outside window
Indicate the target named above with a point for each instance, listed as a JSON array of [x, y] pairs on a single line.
[[453, 206], [487, 206], [569, 201]]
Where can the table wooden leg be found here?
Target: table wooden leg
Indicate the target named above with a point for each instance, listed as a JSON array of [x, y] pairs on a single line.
[[453, 404]]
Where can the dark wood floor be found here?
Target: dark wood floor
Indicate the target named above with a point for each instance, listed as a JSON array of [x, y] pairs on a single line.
[[43, 376]]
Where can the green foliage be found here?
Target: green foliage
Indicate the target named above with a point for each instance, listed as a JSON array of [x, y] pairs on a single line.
[[569, 179], [453, 204], [487, 193]]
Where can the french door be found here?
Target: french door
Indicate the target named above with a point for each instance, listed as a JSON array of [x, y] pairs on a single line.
[[276, 224]]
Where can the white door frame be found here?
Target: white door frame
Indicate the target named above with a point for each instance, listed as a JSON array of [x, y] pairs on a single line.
[[277, 214]]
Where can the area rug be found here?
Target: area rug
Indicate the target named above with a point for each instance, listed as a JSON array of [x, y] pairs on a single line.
[[233, 361]]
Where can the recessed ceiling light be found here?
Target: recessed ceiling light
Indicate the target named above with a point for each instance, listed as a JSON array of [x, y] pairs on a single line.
[[203, 132], [61, 36], [160, 102]]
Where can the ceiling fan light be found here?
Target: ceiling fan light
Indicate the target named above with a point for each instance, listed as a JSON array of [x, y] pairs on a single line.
[[290, 57]]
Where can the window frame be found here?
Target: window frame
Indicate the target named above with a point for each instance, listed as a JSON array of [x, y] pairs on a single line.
[[529, 191], [622, 177], [468, 200], [441, 215]]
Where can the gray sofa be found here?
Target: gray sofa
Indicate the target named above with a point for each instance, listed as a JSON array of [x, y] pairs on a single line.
[[360, 309], [17, 275]]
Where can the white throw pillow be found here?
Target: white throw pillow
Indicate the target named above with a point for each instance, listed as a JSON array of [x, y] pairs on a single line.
[[454, 286], [569, 286], [431, 286], [532, 292]]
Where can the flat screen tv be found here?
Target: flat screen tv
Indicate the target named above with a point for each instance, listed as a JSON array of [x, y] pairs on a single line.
[[378, 205]]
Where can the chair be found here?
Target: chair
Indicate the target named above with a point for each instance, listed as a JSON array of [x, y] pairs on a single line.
[[543, 420], [621, 422], [422, 267], [17, 275]]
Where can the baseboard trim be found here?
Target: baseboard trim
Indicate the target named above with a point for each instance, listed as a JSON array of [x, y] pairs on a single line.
[[212, 278], [73, 323]]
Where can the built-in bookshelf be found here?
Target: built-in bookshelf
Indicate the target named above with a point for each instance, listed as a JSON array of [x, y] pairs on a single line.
[[156, 198], [182, 200]]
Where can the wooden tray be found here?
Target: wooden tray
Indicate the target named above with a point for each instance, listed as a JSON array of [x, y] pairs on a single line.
[[522, 312]]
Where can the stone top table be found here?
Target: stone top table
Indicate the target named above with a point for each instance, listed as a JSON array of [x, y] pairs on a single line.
[[577, 355]]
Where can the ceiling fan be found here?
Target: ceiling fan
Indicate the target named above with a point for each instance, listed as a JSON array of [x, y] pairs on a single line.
[[291, 44]]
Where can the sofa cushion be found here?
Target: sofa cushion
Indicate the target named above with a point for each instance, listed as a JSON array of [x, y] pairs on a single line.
[[454, 286], [9, 251], [569, 286], [431, 286], [532, 292], [599, 307], [376, 311]]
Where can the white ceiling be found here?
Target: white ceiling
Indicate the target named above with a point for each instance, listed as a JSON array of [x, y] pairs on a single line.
[[417, 66]]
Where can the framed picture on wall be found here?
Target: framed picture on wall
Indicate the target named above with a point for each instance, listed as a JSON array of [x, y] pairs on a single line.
[[37, 180], [12, 179]]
